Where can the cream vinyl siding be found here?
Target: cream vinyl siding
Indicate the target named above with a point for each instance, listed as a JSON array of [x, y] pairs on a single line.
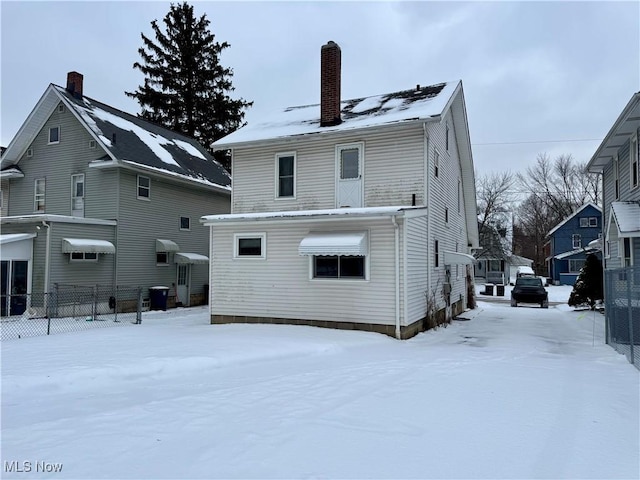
[[444, 193], [417, 269], [280, 286], [393, 170]]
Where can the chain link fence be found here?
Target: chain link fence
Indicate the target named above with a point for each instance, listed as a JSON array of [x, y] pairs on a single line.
[[69, 308], [622, 309]]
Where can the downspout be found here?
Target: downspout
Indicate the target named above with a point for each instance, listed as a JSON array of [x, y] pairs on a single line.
[[427, 174], [397, 262], [47, 259]]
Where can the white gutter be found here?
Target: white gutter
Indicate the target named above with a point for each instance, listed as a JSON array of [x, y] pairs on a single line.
[[397, 255]]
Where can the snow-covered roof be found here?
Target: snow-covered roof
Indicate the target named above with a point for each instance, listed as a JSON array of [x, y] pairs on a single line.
[[190, 258], [559, 225], [297, 214], [15, 237], [625, 125], [627, 217], [125, 138], [571, 253], [391, 108], [56, 218]]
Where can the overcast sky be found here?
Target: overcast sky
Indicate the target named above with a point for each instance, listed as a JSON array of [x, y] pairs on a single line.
[[537, 77]]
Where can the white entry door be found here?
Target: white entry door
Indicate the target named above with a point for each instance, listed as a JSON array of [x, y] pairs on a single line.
[[349, 176], [182, 287]]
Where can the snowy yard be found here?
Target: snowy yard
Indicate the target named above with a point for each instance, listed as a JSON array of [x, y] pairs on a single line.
[[510, 393]]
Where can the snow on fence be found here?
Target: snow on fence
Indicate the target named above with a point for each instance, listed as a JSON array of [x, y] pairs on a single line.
[[622, 310], [68, 308]]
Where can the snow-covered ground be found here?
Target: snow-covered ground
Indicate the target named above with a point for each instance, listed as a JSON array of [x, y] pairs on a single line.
[[557, 293], [508, 393]]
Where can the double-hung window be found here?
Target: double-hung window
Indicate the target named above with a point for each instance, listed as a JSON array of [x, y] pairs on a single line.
[[286, 175], [633, 161], [575, 265], [39, 195], [77, 195], [436, 163], [627, 259], [584, 222], [144, 187], [83, 257], [576, 241], [185, 223]]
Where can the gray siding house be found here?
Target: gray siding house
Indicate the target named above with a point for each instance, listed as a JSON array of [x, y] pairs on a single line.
[[355, 214], [617, 159], [94, 196]]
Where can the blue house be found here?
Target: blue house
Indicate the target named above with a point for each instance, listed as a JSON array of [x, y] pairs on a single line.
[[568, 243]]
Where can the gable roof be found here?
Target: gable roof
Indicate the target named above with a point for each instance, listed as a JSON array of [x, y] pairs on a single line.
[[626, 124], [126, 139], [627, 218], [368, 112], [559, 225]]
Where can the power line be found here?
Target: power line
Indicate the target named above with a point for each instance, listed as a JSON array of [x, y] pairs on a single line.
[[538, 141]]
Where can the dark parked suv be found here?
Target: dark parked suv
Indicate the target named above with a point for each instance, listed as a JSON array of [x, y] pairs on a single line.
[[529, 290]]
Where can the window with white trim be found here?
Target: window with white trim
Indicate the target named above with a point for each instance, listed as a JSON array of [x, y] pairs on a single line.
[[339, 266], [446, 139], [144, 187], [61, 108], [584, 222], [39, 195], [77, 195], [185, 223], [593, 221], [576, 265], [54, 135], [162, 258], [627, 258], [436, 163], [576, 241], [616, 177], [250, 245], [286, 175], [633, 162], [83, 257]]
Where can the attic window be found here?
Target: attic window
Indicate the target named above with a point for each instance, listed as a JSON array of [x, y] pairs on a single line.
[[30, 152], [54, 135], [92, 144], [61, 108]]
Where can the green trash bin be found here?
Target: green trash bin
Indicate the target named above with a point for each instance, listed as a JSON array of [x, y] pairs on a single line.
[[158, 297]]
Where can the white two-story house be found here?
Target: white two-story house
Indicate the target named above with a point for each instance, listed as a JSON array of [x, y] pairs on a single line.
[[355, 214]]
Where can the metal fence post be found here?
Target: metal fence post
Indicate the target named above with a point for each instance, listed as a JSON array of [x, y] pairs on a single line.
[[630, 312], [46, 301], [139, 309]]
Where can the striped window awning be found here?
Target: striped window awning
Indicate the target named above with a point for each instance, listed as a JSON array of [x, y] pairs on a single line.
[[86, 245], [331, 244]]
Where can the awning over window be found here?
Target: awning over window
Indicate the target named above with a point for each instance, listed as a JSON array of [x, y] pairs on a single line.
[[329, 244], [163, 245], [192, 258], [627, 216], [458, 258], [86, 245], [15, 237]]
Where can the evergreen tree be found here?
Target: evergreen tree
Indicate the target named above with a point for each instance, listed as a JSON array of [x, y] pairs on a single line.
[[588, 287], [185, 87]]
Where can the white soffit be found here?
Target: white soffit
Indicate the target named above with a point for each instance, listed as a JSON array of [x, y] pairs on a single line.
[[329, 244]]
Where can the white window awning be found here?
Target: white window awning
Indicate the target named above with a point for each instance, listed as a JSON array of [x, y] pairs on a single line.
[[86, 245], [330, 244], [191, 258], [458, 258], [15, 237], [163, 245]]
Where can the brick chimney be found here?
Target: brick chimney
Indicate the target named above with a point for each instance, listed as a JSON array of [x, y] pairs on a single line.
[[330, 59], [74, 84]]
